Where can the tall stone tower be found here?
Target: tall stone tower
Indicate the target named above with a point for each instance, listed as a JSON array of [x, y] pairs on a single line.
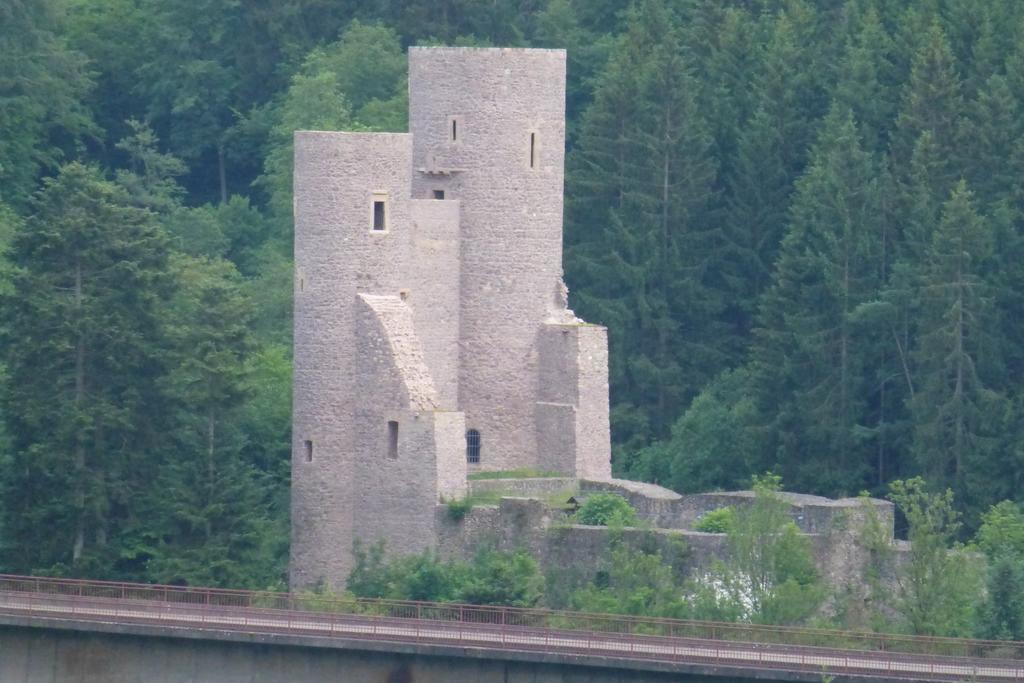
[[432, 336]]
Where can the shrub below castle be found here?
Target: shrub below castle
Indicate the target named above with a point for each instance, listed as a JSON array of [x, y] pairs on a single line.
[[606, 509], [492, 577]]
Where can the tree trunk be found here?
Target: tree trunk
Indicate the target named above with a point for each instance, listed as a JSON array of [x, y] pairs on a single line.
[[958, 445], [211, 424], [222, 171], [79, 543]]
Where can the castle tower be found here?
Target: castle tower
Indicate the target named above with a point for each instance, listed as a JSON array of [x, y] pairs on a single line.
[[493, 123], [431, 329]]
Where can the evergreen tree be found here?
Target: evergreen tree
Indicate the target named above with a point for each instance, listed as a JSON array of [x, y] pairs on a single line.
[[645, 151], [811, 356], [952, 402], [755, 217], [932, 103], [211, 525], [866, 80], [83, 351]]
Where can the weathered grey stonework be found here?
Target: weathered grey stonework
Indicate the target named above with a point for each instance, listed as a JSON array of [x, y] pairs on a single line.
[[571, 554], [429, 301]]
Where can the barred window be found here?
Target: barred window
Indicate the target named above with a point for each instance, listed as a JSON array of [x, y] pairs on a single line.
[[472, 446]]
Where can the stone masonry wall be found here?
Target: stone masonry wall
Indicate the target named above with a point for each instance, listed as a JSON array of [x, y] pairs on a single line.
[[572, 554], [593, 433], [407, 336], [511, 220], [335, 256], [395, 492], [434, 291]]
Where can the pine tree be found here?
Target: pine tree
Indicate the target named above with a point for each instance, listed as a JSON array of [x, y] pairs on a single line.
[[83, 352], [866, 80], [644, 166], [810, 355], [932, 103], [211, 525], [952, 400], [759, 192]]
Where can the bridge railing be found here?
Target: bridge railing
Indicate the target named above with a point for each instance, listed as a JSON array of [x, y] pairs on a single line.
[[486, 615]]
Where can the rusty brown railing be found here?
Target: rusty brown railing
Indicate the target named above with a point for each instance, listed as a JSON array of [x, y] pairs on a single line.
[[743, 646]]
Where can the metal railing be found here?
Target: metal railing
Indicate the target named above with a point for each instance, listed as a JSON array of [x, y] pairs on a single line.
[[742, 646]]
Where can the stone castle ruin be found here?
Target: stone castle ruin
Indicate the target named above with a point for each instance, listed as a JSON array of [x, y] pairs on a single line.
[[433, 338]]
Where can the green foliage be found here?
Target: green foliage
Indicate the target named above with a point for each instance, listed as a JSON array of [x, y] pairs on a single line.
[[1002, 530], [606, 509], [82, 350], [810, 341], [501, 578], [357, 82], [1000, 615], [940, 584], [770, 576], [43, 83], [458, 508], [492, 577], [521, 473], [953, 404], [763, 206], [720, 521], [714, 443], [636, 582], [641, 183], [772, 572]]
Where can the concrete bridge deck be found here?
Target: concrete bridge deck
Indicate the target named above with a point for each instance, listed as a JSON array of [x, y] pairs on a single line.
[[553, 640]]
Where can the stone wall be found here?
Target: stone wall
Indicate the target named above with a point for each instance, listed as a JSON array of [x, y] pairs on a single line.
[[511, 220], [572, 554], [433, 291], [665, 508], [443, 312], [336, 255], [533, 486]]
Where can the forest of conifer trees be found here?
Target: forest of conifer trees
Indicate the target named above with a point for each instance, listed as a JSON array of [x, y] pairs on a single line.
[[801, 220]]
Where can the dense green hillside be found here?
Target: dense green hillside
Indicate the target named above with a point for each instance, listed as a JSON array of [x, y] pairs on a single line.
[[800, 220]]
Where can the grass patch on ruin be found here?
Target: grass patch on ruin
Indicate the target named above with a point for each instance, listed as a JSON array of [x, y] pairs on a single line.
[[521, 473]]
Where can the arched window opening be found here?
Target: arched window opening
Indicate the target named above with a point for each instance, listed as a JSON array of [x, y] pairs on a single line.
[[472, 446]]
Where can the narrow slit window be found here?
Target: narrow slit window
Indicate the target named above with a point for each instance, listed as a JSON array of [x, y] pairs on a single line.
[[533, 150], [393, 439], [379, 214], [438, 194], [472, 447], [456, 129], [307, 447]]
